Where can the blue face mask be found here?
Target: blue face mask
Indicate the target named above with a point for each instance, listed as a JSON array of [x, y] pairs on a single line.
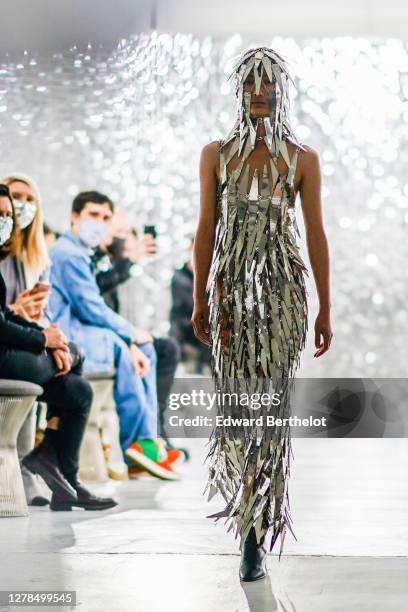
[[6, 228], [92, 232]]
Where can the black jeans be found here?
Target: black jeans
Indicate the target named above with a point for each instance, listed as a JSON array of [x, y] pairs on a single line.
[[68, 397], [168, 356]]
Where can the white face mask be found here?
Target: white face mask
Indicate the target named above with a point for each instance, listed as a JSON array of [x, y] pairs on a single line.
[[92, 232], [6, 228], [25, 212]]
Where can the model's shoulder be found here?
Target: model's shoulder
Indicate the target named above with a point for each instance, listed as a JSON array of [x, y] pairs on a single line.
[[211, 149], [308, 152], [210, 156], [309, 160]]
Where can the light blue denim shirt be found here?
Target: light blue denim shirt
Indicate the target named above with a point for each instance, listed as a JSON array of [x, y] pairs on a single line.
[[77, 305]]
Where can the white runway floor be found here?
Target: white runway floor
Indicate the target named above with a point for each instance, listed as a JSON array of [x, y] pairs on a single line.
[[157, 552]]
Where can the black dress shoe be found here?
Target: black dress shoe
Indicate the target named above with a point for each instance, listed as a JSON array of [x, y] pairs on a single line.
[[39, 462], [253, 559], [85, 499], [39, 500]]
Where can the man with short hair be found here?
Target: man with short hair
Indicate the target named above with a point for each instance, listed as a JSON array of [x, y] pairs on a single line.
[[109, 341]]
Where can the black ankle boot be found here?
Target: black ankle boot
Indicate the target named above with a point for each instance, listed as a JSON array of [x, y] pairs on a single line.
[[85, 499], [43, 460], [253, 559]]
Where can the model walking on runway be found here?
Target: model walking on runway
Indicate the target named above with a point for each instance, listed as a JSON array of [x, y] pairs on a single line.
[[256, 320]]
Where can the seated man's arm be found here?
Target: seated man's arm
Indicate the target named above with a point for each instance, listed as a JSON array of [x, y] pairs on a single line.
[[85, 299]]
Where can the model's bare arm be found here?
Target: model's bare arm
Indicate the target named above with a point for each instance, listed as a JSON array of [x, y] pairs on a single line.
[[317, 245], [204, 239]]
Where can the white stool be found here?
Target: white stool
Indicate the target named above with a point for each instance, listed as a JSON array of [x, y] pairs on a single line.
[[117, 468], [92, 465], [16, 400]]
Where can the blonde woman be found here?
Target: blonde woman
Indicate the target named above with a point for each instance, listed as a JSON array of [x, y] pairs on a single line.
[[27, 265], [26, 271]]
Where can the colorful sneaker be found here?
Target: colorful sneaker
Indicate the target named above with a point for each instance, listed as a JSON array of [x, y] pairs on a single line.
[[169, 446], [173, 456], [150, 455]]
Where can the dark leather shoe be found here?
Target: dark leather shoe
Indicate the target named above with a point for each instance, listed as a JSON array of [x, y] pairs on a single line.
[[39, 500], [85, 499], [43, 464], [253, 559]]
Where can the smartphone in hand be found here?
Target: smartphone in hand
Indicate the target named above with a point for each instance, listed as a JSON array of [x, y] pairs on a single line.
[[150, 229], [40, 287]]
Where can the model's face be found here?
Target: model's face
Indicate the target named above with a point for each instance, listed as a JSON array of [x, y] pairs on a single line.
[[263, 104]]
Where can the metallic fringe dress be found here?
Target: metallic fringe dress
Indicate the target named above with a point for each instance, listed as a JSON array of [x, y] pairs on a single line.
[[258, 325]]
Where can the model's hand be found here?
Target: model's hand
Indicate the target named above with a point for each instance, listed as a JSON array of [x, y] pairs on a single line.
[[54, 338], [140, 361], [142, 336], [322, 330], [200, 321], [63, 360]]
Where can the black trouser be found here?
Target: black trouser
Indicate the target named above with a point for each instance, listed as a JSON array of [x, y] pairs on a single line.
[[168, 357], [68, 397]]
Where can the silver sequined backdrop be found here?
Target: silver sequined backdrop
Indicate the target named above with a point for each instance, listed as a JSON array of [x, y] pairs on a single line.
[[131, 122]]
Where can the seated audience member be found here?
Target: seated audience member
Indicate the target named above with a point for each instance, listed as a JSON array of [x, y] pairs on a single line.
[[108, 340], [115, 257], [50, 236], [27, 265], [181, 328], [113, 262], [26, 275], [42, 356]]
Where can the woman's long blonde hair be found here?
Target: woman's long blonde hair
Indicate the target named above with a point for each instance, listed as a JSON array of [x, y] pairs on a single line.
[[29, 244]]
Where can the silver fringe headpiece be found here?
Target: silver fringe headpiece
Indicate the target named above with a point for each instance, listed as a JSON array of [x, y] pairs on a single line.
[[267, 66]]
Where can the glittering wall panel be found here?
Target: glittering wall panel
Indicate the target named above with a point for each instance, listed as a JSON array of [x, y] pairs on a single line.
[[132, 121]]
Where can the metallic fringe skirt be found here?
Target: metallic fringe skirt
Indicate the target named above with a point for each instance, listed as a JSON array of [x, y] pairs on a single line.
[[249, 460]]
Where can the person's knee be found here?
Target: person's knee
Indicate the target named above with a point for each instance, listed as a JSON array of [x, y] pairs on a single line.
[[78, 357], [82, 394]]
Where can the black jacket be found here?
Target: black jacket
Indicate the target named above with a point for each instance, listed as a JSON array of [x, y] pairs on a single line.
[[109, 277], [16, 332], [182, 302]]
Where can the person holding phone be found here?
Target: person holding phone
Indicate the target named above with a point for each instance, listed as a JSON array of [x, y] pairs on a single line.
[[113, 261], [108, 339], [120, 251], [26, 271], [43, 356], [26, 275]]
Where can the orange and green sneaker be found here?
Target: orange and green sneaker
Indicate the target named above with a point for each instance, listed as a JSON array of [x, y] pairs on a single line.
[[173, 456], [151, 456]]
